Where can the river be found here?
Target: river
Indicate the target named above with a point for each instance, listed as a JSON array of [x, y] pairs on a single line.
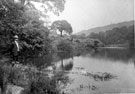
[[101, 71], [86, 71]]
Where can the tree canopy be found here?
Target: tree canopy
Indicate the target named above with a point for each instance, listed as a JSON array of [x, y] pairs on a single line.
[[21, 18], [122, 35], [62, 25], [56, 6]]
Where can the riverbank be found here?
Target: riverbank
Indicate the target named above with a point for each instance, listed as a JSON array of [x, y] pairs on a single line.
[[88, 71], [63, 67], [27, 77]]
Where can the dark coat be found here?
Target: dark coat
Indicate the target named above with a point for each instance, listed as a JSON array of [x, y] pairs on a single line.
[[14, 49]]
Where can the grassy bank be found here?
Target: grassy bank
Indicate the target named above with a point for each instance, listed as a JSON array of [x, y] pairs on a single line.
[[28, 77]]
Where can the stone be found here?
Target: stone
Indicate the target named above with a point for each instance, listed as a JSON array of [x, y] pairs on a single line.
[[13, 89]]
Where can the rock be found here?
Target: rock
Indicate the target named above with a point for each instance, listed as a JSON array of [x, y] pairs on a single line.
[[13, 89]]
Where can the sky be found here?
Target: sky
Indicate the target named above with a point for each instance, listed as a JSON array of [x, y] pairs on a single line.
[[87, 14]]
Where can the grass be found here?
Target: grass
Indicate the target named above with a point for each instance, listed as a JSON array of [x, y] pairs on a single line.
[[32, 80]]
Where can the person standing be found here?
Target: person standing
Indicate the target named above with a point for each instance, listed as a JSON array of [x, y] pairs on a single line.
[[15, 49]]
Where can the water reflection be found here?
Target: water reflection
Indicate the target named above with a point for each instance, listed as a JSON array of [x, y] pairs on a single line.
[[61, 69], [103, 70], [66, 64], [112, 54]]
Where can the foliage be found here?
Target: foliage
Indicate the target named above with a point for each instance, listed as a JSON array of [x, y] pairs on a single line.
[[85, 44], [64, 46], [123, 35], [34, 37], [62, 25], [28, 77], [42, 85], [56, 6], [22, 18], [9, 74], [11, 19]]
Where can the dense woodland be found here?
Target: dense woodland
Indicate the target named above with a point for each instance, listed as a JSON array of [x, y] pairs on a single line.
[[117, 36], [23, 19]]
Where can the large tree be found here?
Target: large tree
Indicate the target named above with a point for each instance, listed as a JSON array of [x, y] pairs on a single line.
[[62, 25], [56, 6], [22, 18]]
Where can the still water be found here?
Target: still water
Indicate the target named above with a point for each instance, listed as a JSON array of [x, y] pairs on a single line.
[[99, 71]]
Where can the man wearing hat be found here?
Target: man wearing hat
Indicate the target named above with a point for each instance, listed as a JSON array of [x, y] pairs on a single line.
[[15, 49]]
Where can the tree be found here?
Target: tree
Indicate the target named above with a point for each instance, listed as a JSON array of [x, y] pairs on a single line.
[[55, 6], [11, 20], [123, 35], [62, 25], [16, 18]]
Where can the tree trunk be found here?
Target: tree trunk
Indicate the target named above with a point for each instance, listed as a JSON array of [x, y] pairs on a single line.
[[62, 64], [61, 33]]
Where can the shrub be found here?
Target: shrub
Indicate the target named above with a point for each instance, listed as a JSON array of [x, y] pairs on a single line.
[[29, 77], [8, 74], [64, 46]]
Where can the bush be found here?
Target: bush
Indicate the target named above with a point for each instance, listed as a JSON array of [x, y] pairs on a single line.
[[8, 74], [29, 77], [64, 46], [15, 19], [42, 85]]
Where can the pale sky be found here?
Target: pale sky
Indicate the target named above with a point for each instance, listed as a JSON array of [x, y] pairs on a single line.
[[86, 14]]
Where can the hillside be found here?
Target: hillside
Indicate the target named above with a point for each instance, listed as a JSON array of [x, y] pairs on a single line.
[[105, 28]]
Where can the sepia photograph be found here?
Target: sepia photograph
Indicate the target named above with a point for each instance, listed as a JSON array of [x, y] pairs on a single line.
[[67, 47]]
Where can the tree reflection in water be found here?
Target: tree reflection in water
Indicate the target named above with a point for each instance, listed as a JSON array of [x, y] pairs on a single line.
[[58, 71], [62, 69], [113, 54], [66, 61], [63, 63]]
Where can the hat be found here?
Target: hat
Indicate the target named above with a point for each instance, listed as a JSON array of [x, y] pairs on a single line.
[[15, 37]]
